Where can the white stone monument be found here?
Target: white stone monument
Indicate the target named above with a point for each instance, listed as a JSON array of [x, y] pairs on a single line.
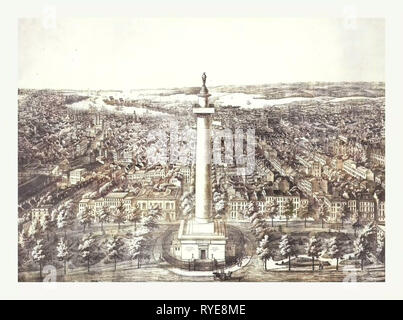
[[202, 237]]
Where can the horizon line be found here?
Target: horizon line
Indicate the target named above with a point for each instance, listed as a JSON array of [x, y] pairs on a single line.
[[215, 86]]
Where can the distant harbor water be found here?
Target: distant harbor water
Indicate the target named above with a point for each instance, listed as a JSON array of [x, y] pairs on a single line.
[[99, 104], [246, 101]]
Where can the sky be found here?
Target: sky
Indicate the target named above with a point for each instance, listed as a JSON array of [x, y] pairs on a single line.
[[126, 53]]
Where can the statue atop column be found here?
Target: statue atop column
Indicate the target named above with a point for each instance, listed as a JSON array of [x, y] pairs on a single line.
[[204, 77], [204, 91]]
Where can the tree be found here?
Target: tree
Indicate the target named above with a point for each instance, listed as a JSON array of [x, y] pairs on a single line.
[[381, 248], [217, 196], [323, 213], [287, 248], [357, 225], [288, 211], [219, 206], [335, 250], [114, 248], [137, 248], [53, 215], [273, 211], [362, 248], [46, 224], [263, 250], [26, 216], [306, 212], [258, 225], [62, 222], [119, 215], [23, 245], [38, 255], [344, 214], [219, 202], [155, 212], [150, 223], [252, 208], [134, 217], [85, 217], [35, 229], [370, 230], [23, 239], [87, 248], [188, 204], [314, 249], [102, 216], [63, 253]]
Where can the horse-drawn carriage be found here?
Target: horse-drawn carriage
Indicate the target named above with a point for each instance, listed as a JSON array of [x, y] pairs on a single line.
[[225, 276]]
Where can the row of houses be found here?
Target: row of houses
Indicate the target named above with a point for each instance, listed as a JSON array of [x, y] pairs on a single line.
[[350, 167], [36, 169], [142, 175], [167, 201], [312, 185], [283, 170], [238, 204], [312, 168], [378, 157], [365, 206]]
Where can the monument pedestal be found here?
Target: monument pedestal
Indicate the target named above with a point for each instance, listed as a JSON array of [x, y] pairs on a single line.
[[202, 241]]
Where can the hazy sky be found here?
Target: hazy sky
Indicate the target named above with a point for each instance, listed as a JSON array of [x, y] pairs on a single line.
[[154, 53]]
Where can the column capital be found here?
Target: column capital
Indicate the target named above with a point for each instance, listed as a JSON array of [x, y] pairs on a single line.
[[201, 110]]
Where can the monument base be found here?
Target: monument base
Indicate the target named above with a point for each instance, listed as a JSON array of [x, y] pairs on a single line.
[[202, 241]]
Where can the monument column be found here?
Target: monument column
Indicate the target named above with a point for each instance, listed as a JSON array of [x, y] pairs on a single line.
[[201, 237], [203, 205]]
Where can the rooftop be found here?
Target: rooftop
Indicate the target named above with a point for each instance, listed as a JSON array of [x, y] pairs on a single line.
[[116, 195]]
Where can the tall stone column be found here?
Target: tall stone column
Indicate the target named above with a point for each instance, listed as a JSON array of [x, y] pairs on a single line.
[[202, 238], [203, 205]]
